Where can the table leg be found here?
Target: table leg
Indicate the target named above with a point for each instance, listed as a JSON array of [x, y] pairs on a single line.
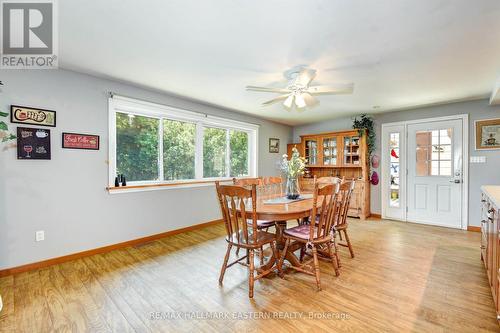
[[280, 244]]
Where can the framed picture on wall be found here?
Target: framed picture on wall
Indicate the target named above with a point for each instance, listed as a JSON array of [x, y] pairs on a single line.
[[487, 134], [33, 143], [80, 141], [32, 116], [274, 145]]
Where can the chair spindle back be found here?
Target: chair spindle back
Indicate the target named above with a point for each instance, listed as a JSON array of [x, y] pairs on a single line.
[[345, 193], [231, 199], [326, 212]]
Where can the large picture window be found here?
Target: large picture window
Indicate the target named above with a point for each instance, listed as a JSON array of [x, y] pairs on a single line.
[[151, 143]]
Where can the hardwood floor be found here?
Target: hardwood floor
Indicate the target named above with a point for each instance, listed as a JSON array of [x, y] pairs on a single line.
[[405, 277]]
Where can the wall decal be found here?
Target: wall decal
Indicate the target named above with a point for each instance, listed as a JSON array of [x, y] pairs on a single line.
[[26, 115], [33, 143], [80, 141]]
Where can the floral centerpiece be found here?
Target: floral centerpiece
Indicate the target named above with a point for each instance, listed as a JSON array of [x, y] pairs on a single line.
[[293, 168]]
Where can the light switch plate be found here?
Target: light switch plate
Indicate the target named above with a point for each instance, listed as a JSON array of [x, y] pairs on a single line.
[[478, 159], [39, 235]]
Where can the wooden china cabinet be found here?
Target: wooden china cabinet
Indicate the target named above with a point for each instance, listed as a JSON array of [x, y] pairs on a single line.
[[340, 154]]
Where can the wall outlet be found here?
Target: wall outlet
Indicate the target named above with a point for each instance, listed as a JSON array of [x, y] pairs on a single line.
[[478, 159], [40, 235]]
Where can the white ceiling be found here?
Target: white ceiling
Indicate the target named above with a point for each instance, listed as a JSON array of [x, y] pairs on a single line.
[[399, 54]]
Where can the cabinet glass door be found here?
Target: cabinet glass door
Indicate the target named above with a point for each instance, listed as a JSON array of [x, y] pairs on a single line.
[[311, 152], [330, 152], [352, 150]]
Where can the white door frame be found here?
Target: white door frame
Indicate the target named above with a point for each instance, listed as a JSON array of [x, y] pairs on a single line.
[[465, 161]]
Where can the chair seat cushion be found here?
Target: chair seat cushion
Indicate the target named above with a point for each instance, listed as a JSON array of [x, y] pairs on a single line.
[[300, 232], [262, 223], [262, 238]]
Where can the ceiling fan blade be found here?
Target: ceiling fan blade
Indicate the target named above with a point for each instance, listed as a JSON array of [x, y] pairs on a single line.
[[309, 99], [333, 89], [266, 89], [300, 102], [306, 75], [274, 100], [289, 101]]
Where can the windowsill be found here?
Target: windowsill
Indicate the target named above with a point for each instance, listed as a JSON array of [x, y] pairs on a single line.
[[165, 186]]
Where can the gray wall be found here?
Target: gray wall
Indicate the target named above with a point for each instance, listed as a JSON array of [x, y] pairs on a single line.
[[66, 196], [479, 174]]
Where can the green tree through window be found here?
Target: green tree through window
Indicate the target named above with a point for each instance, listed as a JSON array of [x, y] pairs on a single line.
[[137, 147], [214, 152], [238, 143], [139, 157], [178, 150]]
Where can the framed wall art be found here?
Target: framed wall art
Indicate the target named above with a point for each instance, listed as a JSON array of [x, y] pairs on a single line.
[[32, 116], [80, 141], [274, 145], [487, 134], [33, 143]]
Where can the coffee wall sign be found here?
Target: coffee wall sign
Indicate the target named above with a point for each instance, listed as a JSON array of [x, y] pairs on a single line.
[[33, 143], [26, 115], [80, 141]]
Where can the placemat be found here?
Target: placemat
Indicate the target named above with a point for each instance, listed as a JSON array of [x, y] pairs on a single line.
[[285, 200]]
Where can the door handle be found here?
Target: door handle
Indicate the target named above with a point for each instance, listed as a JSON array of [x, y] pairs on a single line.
[[456, 181]]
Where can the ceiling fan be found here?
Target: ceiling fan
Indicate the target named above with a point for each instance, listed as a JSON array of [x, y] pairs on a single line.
[[299, 91]]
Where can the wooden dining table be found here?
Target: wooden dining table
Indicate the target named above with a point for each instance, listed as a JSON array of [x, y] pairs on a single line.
[[281, 213]]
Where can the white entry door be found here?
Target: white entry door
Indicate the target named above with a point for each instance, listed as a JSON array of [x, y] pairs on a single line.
[[435, 173]]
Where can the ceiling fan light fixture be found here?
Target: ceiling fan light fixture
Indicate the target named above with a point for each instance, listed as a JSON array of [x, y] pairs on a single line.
[[299, 89], [288, 102], [300, 102]]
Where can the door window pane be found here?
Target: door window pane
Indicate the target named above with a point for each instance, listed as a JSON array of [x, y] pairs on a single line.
[[394, 144], [214, 152], [238, 145], [434, 153], [178, 149], [137, 147]]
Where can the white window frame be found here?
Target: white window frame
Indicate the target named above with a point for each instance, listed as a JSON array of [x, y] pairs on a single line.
[[121, 104]]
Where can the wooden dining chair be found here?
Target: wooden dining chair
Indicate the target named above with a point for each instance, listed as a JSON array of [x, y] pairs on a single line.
[[261, 224], [247, 181], [316, 235], [272, 180], [345, 194], [233, 202], [329, 180], [320, 181]]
